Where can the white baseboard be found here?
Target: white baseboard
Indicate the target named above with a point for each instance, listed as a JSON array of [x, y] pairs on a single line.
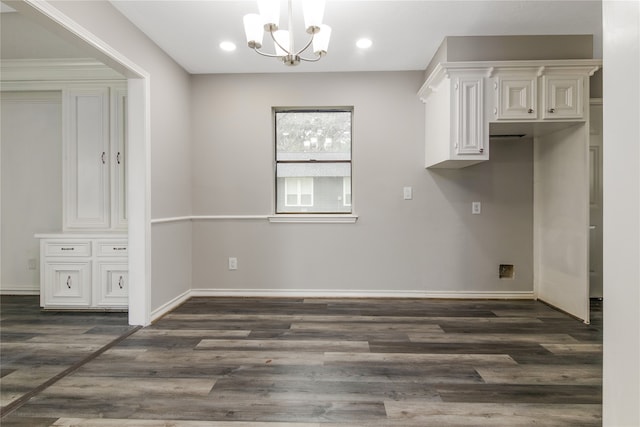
[[299, 293], [19, 290], [170, 306]]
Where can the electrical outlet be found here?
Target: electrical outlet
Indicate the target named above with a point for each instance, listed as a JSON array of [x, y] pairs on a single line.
[[476, 208], [233, 263], [32, 264]]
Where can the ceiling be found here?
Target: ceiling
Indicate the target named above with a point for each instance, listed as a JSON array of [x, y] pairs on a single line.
[[405, 33]]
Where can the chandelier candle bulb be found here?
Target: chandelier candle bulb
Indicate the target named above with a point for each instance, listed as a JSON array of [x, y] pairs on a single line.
[[270, 12], [313, 11], [253, 28], [321, 40]]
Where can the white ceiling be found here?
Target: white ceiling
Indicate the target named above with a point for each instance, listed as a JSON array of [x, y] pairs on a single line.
[[405, 34]]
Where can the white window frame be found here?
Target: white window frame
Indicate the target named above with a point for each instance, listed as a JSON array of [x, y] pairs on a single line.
[[339, 216]]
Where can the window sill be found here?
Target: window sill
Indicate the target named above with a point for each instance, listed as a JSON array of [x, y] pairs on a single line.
[[315, 218]]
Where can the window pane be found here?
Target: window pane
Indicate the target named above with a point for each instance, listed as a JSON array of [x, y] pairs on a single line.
[[313, 135], [321, 187]]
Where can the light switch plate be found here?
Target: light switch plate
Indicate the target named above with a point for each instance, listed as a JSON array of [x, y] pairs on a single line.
[[408, 193]]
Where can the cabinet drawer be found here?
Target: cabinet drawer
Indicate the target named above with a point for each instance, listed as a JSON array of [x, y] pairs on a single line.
[[62, 248], [112, 248]]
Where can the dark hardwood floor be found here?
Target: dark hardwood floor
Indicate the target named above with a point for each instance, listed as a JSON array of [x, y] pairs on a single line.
[[313, 362]]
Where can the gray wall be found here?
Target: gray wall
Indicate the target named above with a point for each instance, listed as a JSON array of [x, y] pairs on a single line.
[[31, 196], [430, 243], [170, 141]]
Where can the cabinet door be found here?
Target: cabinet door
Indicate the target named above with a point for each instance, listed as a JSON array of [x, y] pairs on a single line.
[[86, 159], [516, 98], [67, 284], [562, 97], [113, 284], [119, 159], [469, 123]]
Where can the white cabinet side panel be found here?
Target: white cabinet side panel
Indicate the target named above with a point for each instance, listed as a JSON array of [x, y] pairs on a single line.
[[561, 220]]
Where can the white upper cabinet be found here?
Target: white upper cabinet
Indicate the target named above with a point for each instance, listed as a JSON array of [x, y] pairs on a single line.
[[94, 138], [516, 98], [119, 159], [462, 99], [563, 97], [540, 93], [456, 128], [86, 158]]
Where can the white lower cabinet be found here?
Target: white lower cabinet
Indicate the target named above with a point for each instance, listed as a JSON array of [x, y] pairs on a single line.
[[84, 272], [113, 286], [69, 283]]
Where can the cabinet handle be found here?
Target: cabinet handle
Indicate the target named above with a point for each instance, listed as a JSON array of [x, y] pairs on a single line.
[[118, 157], [552, 110], [69, 282], [102, 157], [120, 282], [530, 111]]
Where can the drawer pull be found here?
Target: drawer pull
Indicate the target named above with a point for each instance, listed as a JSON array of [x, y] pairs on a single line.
[[120, 281], [69, 282], [119, 249], [67, 249], [552, 110]]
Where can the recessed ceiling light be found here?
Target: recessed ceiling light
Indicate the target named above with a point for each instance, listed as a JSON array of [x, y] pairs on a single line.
[[228, 46], [364, 43]]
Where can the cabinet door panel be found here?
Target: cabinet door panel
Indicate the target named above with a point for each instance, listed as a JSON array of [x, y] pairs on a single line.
[[113, 284], [516, 98], [86, 161], [469, 132], [563, 97], [68, 284], [119, 158]]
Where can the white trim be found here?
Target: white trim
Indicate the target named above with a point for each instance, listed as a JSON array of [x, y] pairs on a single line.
[[20, 290], [169, 306], [490, 68], [171, 219], [21, 70], [295, 218], [334, 293]]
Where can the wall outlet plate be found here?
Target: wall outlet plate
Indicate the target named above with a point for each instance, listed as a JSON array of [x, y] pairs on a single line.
[[233, 263], [476, 208]]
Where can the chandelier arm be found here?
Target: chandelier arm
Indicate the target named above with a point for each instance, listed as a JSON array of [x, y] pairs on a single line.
[[305, 46], [270, 55], [302, 58], [279, 45]]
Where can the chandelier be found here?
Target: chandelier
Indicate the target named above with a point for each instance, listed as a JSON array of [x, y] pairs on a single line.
[[255, 25]]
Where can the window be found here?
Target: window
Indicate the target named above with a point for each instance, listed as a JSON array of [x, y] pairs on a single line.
[[313, 160]]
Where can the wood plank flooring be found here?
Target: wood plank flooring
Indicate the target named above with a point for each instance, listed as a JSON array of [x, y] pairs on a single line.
[[330, 362]]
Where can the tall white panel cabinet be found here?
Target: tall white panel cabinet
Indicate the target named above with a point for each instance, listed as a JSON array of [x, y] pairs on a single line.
[[94, 147], [86, 265]]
